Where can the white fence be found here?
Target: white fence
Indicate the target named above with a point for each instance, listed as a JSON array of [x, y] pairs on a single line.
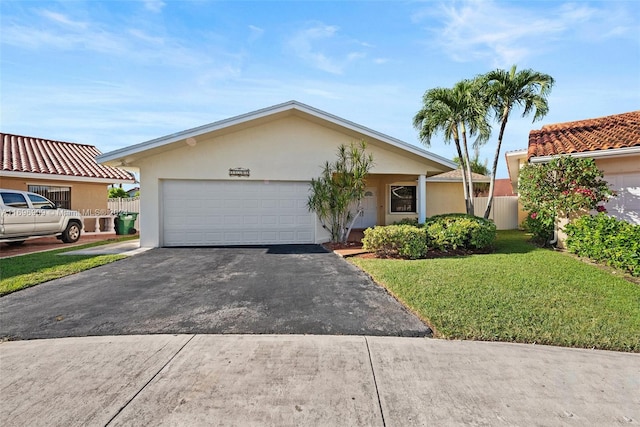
[[131, 204], [504, 211]]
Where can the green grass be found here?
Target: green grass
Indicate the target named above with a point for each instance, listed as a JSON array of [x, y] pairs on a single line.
[[519, 293], [24, 271]]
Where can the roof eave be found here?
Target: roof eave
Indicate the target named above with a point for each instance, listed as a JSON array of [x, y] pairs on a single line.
[[73, 178], [598, 154], [120, 154]]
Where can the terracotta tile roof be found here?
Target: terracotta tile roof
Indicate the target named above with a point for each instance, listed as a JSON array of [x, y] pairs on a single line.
[[42, 156], [502, 187], [604, 133]]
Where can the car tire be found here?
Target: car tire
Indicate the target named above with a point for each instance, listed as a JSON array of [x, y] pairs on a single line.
[[15, 243], [71, 234]]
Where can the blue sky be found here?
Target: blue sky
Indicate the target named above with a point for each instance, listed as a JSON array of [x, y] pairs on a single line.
[[117, 73]]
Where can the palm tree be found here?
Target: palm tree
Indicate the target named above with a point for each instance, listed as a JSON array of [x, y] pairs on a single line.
[[454, 112], [505, 90]]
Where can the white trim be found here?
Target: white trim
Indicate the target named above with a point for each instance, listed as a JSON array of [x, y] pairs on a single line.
[[475, 180], [120, 154], [51, 177], [596, 154], [422, 199]]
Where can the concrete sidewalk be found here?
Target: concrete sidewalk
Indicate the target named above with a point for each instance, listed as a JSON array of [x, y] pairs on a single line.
[[312, 380]]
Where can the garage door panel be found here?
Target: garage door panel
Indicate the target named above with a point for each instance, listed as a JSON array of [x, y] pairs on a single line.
[[202, 213]]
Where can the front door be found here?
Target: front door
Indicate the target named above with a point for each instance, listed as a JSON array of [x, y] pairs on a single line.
[[369, 218]]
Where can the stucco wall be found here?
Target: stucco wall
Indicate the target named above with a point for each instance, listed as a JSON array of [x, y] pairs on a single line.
[[85, 196], [445, 197], [619, 164]]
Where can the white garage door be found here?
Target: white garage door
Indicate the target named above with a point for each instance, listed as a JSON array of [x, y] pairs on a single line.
[[626, 205], [209, 213]]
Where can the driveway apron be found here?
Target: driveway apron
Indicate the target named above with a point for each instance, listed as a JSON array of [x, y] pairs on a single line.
[[287, 289]]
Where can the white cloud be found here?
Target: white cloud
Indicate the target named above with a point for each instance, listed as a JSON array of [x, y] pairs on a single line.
[[155, 6], [303, 46], [255, 33], [62, 19], [323, 47], [506, 33]]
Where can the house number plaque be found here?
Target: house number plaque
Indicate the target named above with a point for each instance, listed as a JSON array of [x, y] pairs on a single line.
[[239, 172]]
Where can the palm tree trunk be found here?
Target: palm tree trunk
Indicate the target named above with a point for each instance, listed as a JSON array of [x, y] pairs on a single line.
[[505, 117], [456, 141], [466, 163]]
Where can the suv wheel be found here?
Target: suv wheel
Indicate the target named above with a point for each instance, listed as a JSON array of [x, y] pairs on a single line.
[[72, 233]]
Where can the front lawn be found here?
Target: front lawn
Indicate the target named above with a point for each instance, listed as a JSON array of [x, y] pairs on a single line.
[[23, 271], [520, 293]]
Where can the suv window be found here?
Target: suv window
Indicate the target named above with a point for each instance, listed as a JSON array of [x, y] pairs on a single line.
[[14, 200], [40, 202]]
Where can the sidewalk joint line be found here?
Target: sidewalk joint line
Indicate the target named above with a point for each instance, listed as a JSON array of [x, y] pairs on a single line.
[[375, 382], [148, 382]]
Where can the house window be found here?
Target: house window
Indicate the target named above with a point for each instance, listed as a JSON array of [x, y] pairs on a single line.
[[403, 198], [60, 196]]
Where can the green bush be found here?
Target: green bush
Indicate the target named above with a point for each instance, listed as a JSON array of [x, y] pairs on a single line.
[[540, 226], [459, 231], [403, 241], [407, 221], [606, 239], [442, 232]]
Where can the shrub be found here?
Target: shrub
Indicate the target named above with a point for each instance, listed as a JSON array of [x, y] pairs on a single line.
[[606, 239], [459, 231], [404, 241], [407, 221], [540, 226], [442, 232]]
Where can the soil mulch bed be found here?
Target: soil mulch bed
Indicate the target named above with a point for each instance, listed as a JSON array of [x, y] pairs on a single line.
[[432, 254]]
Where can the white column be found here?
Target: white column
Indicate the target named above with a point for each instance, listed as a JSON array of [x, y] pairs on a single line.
[[422, 199]]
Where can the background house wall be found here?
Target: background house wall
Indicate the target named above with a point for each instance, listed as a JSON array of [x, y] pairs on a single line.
[[85, 196], [445, 197]]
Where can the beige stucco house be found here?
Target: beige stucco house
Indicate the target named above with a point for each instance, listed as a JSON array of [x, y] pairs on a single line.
[[245, 180], [612, 141], [65, 172]]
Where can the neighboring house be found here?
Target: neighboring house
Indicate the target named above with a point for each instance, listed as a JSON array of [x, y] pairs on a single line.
[[612, 141], [134, 192], [64, 172], [502, 188], [446, 189], [245, 180]]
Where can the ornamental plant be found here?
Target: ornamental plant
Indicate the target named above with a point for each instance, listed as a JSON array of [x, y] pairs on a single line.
[[563, 188], [337, 194]]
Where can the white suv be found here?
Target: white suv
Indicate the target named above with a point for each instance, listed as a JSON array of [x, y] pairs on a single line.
[[24, 215]]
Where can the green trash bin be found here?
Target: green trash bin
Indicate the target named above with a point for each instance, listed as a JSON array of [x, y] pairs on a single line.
[[124, 223]]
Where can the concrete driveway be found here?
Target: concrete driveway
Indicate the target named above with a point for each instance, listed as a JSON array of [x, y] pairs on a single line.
[[298, 289]]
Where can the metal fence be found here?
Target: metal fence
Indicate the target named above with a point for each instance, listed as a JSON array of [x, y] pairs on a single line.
[[504, 211]]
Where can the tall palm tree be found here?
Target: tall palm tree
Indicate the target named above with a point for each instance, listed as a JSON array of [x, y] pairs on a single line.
[[506, 90], [455, 112]]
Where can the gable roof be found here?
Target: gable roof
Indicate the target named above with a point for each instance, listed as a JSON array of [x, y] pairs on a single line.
[[30, 156], [291, 107], [456, 176], [608, 135], [502, 187]]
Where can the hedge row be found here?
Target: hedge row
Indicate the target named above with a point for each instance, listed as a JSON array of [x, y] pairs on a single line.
[[606, 239], [442, 233]]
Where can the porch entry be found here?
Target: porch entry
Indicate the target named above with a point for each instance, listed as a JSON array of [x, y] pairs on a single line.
[[369, 218]]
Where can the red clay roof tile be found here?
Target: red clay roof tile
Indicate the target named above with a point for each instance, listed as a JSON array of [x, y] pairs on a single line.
[[43, 156], [603, 133]]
